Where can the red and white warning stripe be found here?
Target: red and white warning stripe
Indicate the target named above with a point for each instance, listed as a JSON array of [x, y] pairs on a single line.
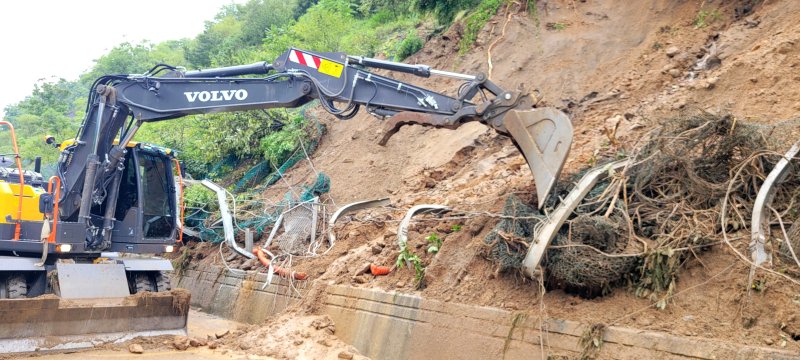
[[304, 59]]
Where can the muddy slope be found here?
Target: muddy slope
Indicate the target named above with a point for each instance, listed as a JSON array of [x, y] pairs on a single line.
[[608, 65]]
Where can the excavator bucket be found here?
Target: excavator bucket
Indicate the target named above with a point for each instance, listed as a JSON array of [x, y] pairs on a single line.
[[544, 136]]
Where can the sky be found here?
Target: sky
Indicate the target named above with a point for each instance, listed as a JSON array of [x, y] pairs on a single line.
[[51, 39]]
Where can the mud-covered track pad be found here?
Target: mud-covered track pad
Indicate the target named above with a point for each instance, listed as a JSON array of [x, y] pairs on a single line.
[[544, 136]]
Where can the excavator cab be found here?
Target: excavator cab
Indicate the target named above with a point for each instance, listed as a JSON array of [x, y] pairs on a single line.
[[147, 212]]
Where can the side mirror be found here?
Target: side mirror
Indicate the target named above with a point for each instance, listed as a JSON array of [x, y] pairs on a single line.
[[46, 203], [50, 140]]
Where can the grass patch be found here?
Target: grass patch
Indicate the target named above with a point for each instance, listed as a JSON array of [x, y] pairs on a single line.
[[475, 21], [706, 17]]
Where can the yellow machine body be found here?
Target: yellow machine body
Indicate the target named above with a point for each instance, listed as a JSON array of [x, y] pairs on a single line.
[[9, 202]]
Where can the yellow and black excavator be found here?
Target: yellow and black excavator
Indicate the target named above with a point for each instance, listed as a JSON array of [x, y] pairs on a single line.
[[83, 233]]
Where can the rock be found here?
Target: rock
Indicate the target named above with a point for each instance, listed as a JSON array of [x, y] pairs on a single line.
[[363, 269], [360, 279], [784, 47], [768, 341], [298, 342], [644, 321], [324, 342], [198, 342], [180, 343], [136, 349], [678, 104], [245, 346], [213, 345], [476, 227], [250, 264], [345, 355], [376, 249], [222, 335], [672, 51], [674, 73]]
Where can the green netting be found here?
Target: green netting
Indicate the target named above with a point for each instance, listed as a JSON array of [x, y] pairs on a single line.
[[321, 186], [258, 178], [252, 177], [224, 166], [202, 221], [298, 156]]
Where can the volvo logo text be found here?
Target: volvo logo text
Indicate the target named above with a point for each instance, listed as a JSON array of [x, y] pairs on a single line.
[[222, 95]]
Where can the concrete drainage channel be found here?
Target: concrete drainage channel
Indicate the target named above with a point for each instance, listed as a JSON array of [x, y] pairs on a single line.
[[390, 325]]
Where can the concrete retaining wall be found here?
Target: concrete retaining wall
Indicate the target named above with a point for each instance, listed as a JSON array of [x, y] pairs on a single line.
[[389, 325], [236, 295]]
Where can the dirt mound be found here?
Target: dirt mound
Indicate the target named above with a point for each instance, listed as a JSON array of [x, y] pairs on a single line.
[[292, 336]]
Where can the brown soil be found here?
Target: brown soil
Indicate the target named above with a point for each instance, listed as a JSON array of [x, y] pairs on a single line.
[[607, 67]]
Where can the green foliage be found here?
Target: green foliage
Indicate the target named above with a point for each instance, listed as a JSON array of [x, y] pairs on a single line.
[[279, 145], [706, 17], [419, 270], [200, 197], [445, 10], [127, 58], [434, 243], [391, 7], [409, 46], [302, 7], [52, 109], [475, 21], [557, 26], [455, 228]]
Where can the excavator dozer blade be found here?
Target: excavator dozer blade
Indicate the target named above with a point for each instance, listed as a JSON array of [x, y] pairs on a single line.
[[544, 136], [51, 323]]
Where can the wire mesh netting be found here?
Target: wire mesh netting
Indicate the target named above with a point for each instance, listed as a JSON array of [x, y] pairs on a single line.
[[643, 222], [509, 241]]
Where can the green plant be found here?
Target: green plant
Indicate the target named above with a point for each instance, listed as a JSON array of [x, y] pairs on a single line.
[[455, 227], [409, 46], [475, 21], [279, 145], [705, 18], [434, 243], [533, 9], [200, 197], [413, 259], [759, 285], [591, 341], [557, 26]]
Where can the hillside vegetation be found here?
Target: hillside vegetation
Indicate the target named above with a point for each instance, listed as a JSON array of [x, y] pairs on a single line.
[[241, 34]]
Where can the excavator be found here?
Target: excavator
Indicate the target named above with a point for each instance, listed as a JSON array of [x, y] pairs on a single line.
[[92, 234]]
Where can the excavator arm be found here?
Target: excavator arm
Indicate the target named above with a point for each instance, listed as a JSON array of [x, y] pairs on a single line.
[[120, 104]]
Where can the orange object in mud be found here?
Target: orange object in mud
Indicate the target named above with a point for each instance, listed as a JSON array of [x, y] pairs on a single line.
[[379, 270], [276, 269]]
